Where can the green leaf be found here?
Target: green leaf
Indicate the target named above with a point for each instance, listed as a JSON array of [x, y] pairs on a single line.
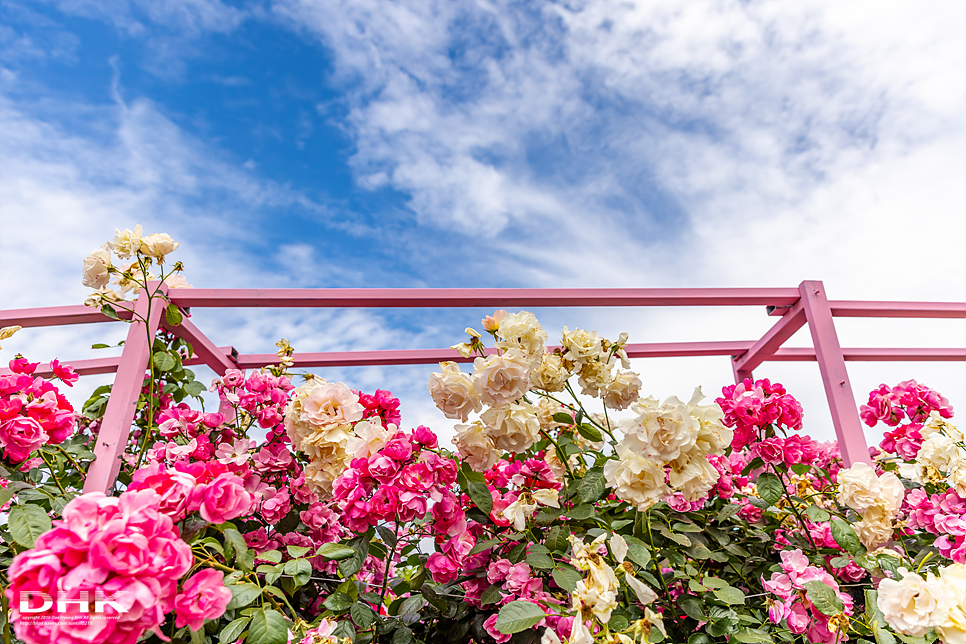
[[267, 627], [845, 536], [823, 597], [362, 615], [300, 570], [581, 512], [727, 512], [491, 595], [484, 545], [402, 635], [231, 633], [338, 602], [26, 523], [238, 545], [693, 607], [564, 419], [589, 432], [297, 551], [164, 361], [801, 468], [566, 578], [685, 527], [876, 619], [730, 595], [100, 345], [592, 485], [387, 535], [480, 494], [353, 564], [556, 539], [344, 631], [770, 488], [637, 551], [109, 311], [539, 560], [334, 551], [749, 636], [242, 595], [517, 616], [816, 513], [173, 315]]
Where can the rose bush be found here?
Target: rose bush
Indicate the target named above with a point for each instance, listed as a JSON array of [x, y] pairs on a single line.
[[303, 511]]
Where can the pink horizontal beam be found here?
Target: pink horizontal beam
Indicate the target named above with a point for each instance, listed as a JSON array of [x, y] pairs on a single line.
[[103, 365], [481, 297], [875, 309], [805, 354], [56, 316]]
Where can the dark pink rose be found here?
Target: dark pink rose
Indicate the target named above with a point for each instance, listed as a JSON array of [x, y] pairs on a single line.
[[223, 499], [202, 597], [20, 436]]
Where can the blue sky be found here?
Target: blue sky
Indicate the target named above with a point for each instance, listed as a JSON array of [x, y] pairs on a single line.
[[374, 143]]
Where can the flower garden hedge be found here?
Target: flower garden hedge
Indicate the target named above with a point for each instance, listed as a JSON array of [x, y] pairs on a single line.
[[571, 509]]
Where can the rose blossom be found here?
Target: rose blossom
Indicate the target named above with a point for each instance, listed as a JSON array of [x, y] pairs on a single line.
[[453, 392], [223, 499], [203, 597]]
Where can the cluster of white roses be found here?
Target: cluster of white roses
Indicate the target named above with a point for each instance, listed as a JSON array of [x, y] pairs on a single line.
[[877, 499], [596, 594], [522, 363], [99, 272], [665, 448], [913, 605], [324, 421], [941, 458]]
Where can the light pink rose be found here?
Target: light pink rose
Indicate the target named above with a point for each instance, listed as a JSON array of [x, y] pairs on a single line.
[[204, 596], [223, 499]]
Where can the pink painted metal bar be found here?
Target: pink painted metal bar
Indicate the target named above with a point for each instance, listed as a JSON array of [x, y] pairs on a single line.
[[805, 354], [831, 364], [202, 347], [769, 343], [58, 316], [122, 405], [870, 309], [96, 366], [482, 297]]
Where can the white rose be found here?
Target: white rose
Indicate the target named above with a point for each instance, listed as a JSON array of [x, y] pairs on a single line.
[[600, 603], [158, 245], [891, 493], [635, 479], [513, 427], [95, 271], [126, 242], [369, 436], [875, 528], [713, 437], [941, 452], [936, 423], [580, 345], [693, 474], [453, 392], [957, 479], [594, 376], [858, 487], [660, 432], [475, 447], [551, 374], [501, 379], [331, 403], [521, 331], [953, 630], [623, 390], [913, 605], [546, 408]]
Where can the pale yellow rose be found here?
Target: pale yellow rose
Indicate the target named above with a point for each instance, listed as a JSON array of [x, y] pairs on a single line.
[[475, 447], [635, 479], [661, 432], [521, 331], [551, 374], [913, 605], [158, 245], [453, 392], [622, 390], [127, 242], [513, 427], [581, 345], [501, 379], [95, 270]]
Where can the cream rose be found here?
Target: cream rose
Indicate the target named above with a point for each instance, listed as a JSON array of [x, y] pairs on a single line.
[[581, 345], [941, 452], [501, 379], [521, 331], [913, 605], [953, 629], [453, 392], [693, 474], [635, 479], [858, 487], [662, 432], [126, 242], [594, 377], [551, 374], [95, 270], [158, 245], [513, 427], [622, 390], [331, 403], [475, 447], [875, 528]]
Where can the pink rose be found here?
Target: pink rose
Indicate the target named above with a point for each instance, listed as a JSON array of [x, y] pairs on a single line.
[[20, 436], [442, 568], [202, 597], [769, 450], [224, 499], [425, 437], [490, 626]]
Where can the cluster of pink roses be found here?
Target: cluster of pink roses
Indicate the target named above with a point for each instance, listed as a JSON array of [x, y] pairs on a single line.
[[518, 583], [908, 399], [749, 406], [207, 488], [108, 572], [798, 612], [32, 412], [398, 482], [942, 513], [263, 395], [382, 404]]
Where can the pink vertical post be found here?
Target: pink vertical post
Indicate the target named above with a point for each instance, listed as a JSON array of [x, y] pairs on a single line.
[[122, 405], [831, 364]]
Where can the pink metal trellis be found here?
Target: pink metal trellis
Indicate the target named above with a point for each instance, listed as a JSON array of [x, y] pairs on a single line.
[[795, 308]]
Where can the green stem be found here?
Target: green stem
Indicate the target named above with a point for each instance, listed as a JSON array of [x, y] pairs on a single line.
[[657, 566], [801, 521], [69, 457], [6, 615], [52, 474], [560, 453], [392, 554]]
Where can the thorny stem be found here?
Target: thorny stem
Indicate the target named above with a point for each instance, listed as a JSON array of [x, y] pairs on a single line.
[[392, 554]]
